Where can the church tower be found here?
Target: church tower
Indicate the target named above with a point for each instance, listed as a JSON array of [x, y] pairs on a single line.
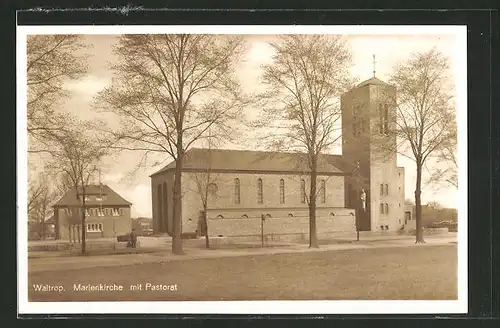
[[369, 151]]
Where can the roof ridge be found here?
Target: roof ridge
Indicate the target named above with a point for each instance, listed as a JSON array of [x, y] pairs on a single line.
[[246, 159]]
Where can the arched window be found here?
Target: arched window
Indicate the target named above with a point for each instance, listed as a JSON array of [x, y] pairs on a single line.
[[381, 189], [290, 215], [386, 119], [381, 208], [282, 191], [165, 205], [268, 216], [302, 191], [381, 118], [386, 208], [212, 189], [220, 216], [332, 215], [260, 196], [244, 216], [387, 189], [323, 191], [159, 204], [236, 191]]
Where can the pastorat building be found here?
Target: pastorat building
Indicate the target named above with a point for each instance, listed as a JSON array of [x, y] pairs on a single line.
[[244, 186], [107, 214]]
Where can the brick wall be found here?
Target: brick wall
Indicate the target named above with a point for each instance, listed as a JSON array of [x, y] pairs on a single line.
[[223, 202], [343, 221], [111, 225]]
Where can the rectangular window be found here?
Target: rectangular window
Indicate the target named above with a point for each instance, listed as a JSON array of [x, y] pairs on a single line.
[[94, 227], [121, 211], [115, 212], [87, 212], [100, 212], [260, 197]]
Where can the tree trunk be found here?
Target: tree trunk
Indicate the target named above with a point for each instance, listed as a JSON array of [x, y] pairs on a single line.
[[42, 229], [69, 234], [56, 225], [205, 222], [313, 240], [84, 231], [177, 228], [418, 206]]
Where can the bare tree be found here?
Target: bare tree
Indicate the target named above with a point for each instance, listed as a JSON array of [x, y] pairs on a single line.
[[447, 165], [52, 60], [425, 122], [40, 198], [168, 91], [36, 189], [77, 158], [435, 205], [301, 109]]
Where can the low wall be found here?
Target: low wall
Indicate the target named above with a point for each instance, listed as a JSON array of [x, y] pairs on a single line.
[[410, 225], [94, 245], [430, 231], [238, 227]]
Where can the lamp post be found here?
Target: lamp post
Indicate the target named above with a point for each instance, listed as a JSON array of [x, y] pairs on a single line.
[[262, 218]]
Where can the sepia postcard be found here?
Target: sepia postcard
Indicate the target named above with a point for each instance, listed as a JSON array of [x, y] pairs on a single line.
[[242, 169]]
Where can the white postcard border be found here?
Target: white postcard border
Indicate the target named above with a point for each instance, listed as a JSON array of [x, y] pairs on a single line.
[[245, 307]]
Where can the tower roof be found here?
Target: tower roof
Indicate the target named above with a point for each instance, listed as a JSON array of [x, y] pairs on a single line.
[[374, 81]]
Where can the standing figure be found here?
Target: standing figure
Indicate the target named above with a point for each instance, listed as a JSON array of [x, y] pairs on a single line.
[[363, 199], [133, 238]]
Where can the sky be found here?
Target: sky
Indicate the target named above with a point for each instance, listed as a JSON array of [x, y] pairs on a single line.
[[388, 49]]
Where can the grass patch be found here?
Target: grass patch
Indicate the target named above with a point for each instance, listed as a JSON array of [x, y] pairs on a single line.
[[402, 273]]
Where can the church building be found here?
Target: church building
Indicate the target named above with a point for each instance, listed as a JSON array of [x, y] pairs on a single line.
[[249, 193]]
